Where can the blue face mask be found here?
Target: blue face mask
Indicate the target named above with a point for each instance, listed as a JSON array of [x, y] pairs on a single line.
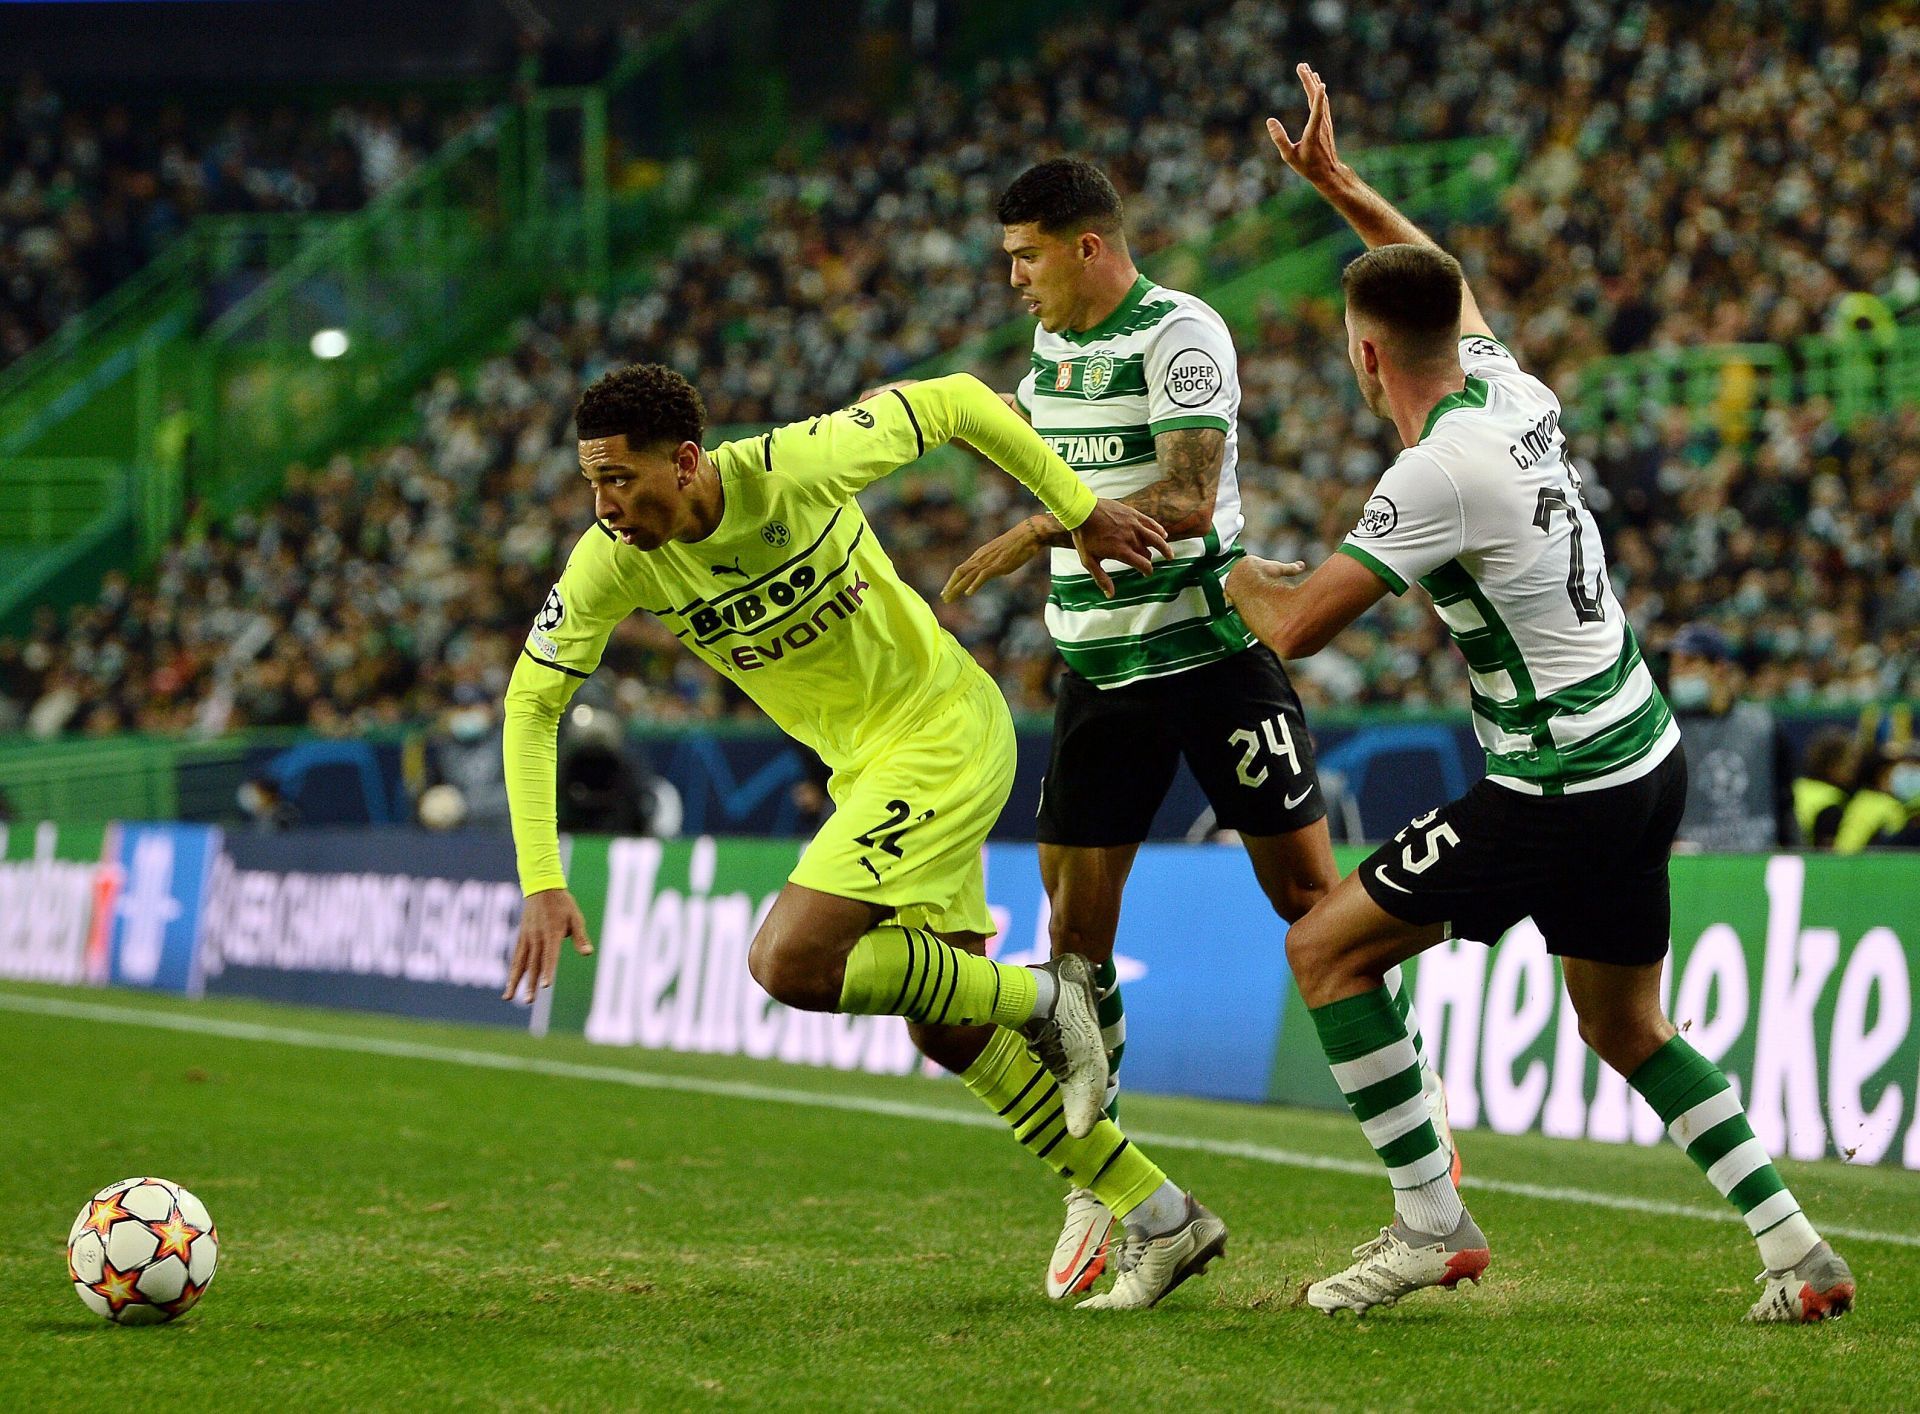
[[1903, 784], [469, 724], [1689, 692]]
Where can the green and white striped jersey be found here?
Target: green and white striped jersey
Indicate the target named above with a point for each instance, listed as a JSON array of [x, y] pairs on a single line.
[[1163, 360], [1488, 515]]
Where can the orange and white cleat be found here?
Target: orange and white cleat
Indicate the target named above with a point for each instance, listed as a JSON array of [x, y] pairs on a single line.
[[1820, 1287], [1080, 1256]]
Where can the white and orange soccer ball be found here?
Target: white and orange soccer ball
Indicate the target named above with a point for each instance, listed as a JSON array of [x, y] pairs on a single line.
[[142, 1251]]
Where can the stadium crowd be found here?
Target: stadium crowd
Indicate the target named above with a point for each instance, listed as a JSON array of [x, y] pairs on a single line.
[[89, 192], [1664, 202]]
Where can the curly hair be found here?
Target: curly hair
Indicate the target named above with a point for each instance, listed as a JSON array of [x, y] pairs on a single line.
[[648, 402], [1064, 196]]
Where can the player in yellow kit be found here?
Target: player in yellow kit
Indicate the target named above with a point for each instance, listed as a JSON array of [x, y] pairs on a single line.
[[757, 557]]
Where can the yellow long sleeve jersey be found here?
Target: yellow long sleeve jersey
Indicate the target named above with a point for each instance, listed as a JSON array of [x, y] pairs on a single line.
[[791, 596]]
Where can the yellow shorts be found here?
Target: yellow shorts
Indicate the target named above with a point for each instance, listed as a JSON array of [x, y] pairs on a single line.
[[907, 828]]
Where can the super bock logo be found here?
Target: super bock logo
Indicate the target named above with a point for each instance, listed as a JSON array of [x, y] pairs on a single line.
[[1377, 517], [1099, 373]]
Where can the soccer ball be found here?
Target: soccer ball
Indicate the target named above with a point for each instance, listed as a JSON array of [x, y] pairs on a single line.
[[142, 1251]]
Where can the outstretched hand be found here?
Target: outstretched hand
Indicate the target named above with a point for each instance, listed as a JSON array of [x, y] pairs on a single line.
[[546, 919], [1257, 589], [1116, 531], [1314, 156], [1001, 555]]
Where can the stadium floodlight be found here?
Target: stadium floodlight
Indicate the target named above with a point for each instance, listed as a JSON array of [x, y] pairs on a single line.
[[328, 343]]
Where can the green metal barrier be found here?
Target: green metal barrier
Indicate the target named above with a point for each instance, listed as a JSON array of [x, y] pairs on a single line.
[[1731, 387], [48, 500], [362, 309]]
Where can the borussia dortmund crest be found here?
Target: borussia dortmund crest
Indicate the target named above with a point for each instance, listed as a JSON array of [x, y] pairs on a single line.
[[1099, 373], [775, 534]]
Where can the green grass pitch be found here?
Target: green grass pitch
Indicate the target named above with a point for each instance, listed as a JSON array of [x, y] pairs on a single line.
[[420, 1220]]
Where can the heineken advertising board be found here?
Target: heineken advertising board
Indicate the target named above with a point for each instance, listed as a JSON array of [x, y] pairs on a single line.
[[1794, 972], [671, 921], [53, 885]]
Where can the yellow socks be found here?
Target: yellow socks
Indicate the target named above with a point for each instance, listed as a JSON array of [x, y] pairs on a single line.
[[1015, 1086], [900, 971]]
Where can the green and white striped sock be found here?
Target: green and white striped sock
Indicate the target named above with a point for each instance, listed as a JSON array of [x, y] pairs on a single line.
[[1402, 1003], [1706, 1119], [1113, 1029], [1378, 1070]]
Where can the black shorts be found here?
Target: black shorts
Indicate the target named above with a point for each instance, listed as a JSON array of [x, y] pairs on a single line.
[[1115, 751], [1589, 868]]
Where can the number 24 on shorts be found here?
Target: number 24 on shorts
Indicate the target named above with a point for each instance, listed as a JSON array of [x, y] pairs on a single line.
[[1279, 742]]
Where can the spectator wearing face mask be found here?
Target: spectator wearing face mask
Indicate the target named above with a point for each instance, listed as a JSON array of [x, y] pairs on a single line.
[[1881, 814], [465, 754], [1735, 778], [1821, 789]]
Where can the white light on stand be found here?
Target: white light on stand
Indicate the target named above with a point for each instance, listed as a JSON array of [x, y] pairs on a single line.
[[329, 343]]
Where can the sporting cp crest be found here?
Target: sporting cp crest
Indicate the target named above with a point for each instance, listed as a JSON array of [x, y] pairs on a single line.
[[1099, 373]]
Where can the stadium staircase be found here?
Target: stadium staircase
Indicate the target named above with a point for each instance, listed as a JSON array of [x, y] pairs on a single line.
[[196, 383]]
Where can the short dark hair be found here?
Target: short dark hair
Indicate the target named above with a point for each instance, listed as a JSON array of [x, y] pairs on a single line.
[[1064, 195], [648, 403], [1414, 291]]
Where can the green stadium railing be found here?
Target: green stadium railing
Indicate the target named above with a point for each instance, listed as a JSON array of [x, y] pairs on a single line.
[[201, 375], [1731, 387]]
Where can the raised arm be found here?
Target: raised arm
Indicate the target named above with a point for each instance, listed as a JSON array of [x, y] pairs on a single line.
[[1373, 218]]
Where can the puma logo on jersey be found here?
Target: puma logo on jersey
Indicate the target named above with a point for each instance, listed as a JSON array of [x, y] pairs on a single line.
[[733, 568]]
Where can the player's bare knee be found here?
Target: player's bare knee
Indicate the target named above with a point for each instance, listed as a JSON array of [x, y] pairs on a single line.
[[1293, 899], [1624, 1040], [1308, 958], [789, 976], [1091, 937]]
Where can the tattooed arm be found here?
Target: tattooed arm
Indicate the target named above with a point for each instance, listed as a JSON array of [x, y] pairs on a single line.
[[1181, 500]]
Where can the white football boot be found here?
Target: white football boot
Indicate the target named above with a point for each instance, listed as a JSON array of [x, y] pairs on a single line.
[[1399, 1262], [1151, 1267], [1067, 1042], [1819, 1287], [1081, 1253]]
